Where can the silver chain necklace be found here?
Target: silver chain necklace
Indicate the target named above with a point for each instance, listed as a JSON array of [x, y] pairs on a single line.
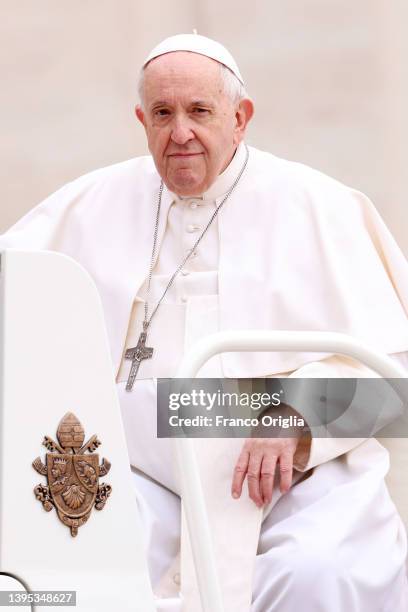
[[141, 351]]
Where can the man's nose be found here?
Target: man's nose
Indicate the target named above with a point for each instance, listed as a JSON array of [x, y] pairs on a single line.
[[181, 132]]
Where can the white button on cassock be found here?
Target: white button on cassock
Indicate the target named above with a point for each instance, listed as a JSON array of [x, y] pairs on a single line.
[[176, 578], [192, 228]]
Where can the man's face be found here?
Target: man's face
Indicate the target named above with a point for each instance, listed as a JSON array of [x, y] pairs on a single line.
[[192, 126]]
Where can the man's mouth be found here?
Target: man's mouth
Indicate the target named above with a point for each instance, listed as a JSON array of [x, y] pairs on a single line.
[[184, 154]]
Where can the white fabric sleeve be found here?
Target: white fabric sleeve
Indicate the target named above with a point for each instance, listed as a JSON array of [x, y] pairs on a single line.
[[313, 450]]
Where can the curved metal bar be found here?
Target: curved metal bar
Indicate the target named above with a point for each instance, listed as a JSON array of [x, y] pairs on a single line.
[[221, 342], [285, 341]]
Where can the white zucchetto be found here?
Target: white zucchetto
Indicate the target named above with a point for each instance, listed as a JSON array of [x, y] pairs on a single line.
[[195, 43]]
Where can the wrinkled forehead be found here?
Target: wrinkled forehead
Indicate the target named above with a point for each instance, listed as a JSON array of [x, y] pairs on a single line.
[[182, 72]]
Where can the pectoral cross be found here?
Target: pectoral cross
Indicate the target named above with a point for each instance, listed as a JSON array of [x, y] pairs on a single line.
[[137, 354]]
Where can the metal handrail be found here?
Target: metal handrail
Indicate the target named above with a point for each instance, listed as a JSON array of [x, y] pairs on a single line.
[[193, 360]]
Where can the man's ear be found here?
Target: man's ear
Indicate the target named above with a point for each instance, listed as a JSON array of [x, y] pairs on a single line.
[[140, 114], [243, 116]]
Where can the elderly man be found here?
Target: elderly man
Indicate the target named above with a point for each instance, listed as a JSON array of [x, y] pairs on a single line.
[[210, 234]]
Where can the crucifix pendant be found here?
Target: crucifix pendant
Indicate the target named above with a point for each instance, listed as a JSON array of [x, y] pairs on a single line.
[[137, 354]]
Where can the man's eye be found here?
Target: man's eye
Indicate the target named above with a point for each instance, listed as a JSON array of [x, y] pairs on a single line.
[[200, 110], [161, 112]]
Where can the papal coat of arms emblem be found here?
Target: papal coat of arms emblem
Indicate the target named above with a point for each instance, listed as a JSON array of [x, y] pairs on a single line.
[[73, 476]]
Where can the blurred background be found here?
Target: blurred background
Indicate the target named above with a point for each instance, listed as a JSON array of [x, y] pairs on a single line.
[[328, 78]]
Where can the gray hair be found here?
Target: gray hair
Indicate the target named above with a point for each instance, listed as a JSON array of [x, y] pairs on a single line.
[[231, 85]]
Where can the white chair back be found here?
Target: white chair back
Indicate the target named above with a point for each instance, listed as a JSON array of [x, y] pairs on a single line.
[[55, 359]]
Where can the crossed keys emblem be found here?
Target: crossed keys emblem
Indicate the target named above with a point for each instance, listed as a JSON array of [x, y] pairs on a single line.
[[73, 476]]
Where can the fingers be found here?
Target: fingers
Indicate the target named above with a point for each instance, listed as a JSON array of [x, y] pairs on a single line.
[[267, 477], [286, 471], [257, 462], [240, 471], [253, 478]]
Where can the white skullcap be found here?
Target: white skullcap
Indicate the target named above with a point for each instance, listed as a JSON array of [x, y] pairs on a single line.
[[196, 44]]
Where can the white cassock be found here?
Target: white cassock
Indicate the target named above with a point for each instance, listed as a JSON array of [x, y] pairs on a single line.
[[290, 250]]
